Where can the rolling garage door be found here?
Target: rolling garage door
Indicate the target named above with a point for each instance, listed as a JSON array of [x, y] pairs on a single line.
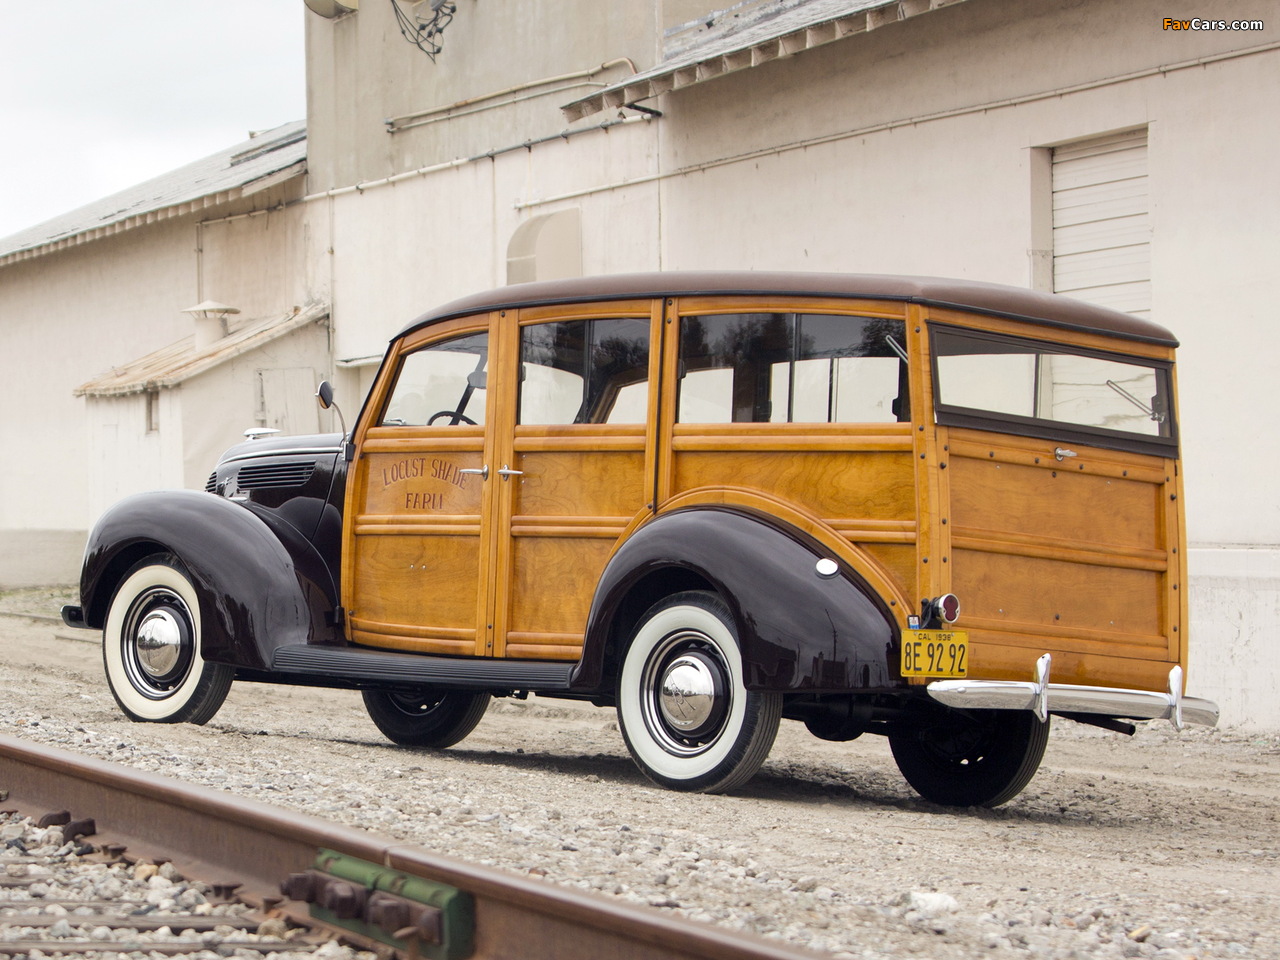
[[1101, 230]]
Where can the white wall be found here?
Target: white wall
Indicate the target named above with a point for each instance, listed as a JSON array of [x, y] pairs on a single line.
[[255, 263], [127, 458], [71, 316], [219, 405], [918, 148]]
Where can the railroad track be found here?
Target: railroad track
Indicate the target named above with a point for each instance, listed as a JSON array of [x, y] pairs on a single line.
[[267, 869]]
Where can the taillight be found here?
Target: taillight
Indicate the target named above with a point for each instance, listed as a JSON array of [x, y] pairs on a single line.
[[946, 607]]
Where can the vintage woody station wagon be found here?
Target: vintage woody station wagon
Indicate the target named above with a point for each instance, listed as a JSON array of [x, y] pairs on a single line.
[[713, 502]]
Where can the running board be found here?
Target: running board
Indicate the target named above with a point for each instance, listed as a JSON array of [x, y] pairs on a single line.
[[381, 666]]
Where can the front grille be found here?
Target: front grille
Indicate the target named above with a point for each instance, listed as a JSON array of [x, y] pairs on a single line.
[[211, 485], [272, 476]]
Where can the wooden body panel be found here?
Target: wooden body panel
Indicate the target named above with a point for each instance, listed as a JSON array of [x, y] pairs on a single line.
[[1072, 558], [1081, 558], [417, 541], [501, 564], [417, 531], [577, 494], [579, 487], [860, 499]]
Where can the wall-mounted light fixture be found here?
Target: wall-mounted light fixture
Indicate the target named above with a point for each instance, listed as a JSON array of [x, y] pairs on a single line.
[[422, 22]]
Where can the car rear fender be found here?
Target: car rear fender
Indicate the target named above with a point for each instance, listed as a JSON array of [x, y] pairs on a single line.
[[799, 631]]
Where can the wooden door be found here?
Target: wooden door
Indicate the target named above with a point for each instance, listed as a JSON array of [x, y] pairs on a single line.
[[418, 544], [1059, 487], [802, 409], [574, 469]]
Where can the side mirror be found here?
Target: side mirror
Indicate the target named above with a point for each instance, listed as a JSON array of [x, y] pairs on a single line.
[[324, 393], [324, 396]]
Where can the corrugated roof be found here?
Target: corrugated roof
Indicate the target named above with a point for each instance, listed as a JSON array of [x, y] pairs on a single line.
[[262, 161], [169, 366], [746, 35]]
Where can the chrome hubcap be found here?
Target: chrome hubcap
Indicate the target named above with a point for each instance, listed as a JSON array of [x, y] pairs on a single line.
[[158, 643], [686, 694]]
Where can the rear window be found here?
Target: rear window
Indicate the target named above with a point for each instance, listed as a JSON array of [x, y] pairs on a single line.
[[1029, 387]]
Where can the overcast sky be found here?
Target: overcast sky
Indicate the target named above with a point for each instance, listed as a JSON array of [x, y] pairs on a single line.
[[95, 97]]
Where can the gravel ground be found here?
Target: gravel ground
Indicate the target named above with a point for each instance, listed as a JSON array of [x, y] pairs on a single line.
[[1164, 845], [57, 895]]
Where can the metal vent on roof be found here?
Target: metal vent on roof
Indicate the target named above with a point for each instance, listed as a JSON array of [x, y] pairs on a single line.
[[261, 149], [270, 476]]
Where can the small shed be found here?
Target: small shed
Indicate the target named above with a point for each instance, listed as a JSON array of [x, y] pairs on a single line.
[[163, 419]]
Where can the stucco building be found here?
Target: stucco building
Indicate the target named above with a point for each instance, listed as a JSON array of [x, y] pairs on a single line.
[[1114, 152]]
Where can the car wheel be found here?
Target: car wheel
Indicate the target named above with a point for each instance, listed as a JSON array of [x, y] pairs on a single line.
[[687, 719], [429, 718], [982, 759], [151, 648]]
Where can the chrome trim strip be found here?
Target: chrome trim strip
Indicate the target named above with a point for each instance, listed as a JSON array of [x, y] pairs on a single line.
[[1045, 698], [281, 454]]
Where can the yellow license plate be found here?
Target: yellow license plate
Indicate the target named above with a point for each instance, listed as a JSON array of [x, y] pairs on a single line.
[[935, 653]]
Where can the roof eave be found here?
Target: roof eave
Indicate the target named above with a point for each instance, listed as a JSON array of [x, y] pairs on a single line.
[[159, 215], [685, 71]]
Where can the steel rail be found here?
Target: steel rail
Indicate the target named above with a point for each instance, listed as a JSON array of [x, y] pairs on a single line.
[[234, 841]]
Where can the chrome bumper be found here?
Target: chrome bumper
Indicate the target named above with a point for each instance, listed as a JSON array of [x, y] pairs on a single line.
[[1043, 698]]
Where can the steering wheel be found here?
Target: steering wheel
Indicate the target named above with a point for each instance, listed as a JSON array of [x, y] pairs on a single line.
[[456, 414]]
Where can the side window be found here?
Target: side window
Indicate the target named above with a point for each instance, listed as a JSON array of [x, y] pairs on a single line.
[[1015, 385], [585, 371], [792, 368], [442, 384]]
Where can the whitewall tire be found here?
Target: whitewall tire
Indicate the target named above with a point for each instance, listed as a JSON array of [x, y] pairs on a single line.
[[687, 719], [151, 648]]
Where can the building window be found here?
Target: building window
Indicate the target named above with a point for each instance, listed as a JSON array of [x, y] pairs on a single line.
[[1101, 227], [153, 411]]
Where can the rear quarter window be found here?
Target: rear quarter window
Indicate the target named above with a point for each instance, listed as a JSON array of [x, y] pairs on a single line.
[[1035, 388]]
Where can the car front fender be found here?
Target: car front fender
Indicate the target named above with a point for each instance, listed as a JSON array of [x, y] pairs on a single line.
[[261, 584]]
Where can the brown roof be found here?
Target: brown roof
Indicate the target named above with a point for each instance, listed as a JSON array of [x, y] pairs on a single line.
[[990, 298]]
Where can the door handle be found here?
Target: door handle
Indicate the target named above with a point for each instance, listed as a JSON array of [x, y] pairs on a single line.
[[482, 472], [508, 472]]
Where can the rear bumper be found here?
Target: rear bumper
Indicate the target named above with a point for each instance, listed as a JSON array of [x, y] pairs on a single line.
[[1044, 698]]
